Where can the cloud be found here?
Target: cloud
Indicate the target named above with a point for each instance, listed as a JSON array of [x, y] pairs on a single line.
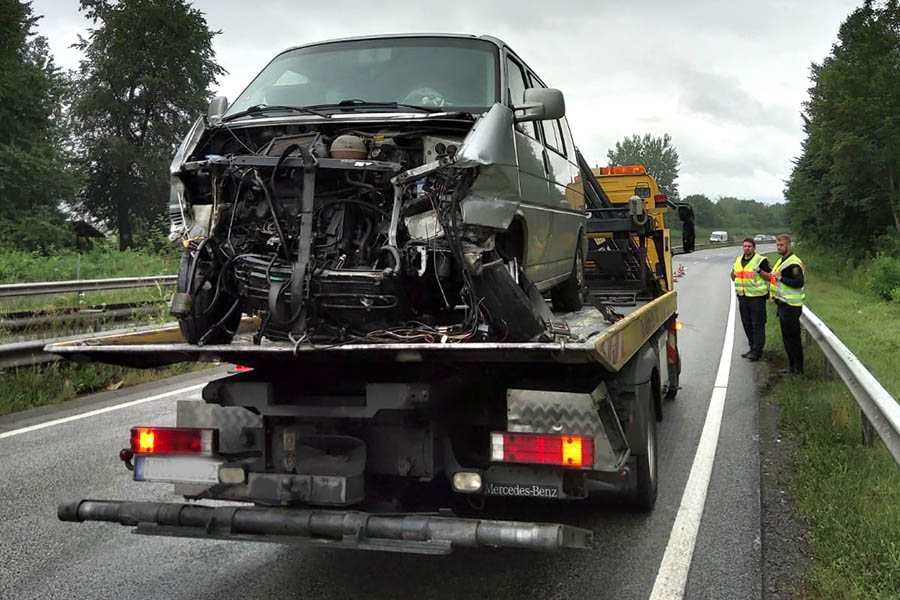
[[725, 79], [724, 98]]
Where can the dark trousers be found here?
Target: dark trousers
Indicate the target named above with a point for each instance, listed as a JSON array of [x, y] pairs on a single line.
[[753, 317], [790, 333]]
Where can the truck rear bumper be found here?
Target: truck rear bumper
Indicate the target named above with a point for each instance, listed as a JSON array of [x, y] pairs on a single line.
[[419, 534]]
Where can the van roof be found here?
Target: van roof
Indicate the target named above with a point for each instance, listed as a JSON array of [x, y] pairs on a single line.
[[496, 41]]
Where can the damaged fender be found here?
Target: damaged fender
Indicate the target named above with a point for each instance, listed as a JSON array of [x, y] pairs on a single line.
[[493, 199]]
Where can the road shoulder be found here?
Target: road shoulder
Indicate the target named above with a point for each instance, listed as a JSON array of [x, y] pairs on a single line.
[[786, 554]]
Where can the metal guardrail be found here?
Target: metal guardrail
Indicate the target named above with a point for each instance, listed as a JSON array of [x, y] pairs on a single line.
[[10, 290], [91, 316], [31, 352], [880, 411], [707, 246]]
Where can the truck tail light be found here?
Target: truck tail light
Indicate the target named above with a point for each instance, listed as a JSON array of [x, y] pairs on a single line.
[[174, 440], [542, 449]]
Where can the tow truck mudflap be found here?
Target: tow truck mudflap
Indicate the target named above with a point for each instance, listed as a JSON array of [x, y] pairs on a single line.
[[410, 533]]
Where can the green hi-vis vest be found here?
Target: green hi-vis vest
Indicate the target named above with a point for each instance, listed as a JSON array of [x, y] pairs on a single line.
[[747, 281], [780, 291]]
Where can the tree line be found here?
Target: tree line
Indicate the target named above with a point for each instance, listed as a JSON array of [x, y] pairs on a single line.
[[94, 145], [844, 191]]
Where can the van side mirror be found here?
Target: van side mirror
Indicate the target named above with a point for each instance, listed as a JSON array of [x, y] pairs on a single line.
[[541, 104], [217, 108], [688, 236]]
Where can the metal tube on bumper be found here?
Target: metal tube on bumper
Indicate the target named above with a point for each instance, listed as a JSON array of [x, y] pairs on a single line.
[[351, 527]]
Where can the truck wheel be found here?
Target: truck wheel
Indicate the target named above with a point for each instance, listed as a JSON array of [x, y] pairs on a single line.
[[647, 464], [569, 295], [198, 277]]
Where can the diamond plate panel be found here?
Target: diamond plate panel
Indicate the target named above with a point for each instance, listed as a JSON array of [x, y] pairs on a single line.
[[538, 411]]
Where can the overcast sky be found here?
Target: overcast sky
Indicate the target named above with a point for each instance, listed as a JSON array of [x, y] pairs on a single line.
[[724, 78]]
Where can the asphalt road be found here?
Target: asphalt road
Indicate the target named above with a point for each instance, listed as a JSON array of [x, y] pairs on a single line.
[[41, 557]]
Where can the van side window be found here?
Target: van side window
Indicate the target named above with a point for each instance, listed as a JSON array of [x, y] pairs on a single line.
[[553, 137], [567, 137], [517, 86], [555, 140]]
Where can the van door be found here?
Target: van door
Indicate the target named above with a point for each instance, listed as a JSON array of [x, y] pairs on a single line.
[[533, 181], [565, 219]]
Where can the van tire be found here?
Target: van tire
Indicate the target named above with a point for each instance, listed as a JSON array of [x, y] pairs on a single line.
[[569, 295], [207, 309]]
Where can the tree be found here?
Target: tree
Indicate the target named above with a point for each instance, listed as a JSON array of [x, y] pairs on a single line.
[[145, 77], [705, 214], [845, 186], [34, 178], [657, 154]]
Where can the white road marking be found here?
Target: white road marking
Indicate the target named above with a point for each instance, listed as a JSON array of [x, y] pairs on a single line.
[[676, 562], [100, 411]]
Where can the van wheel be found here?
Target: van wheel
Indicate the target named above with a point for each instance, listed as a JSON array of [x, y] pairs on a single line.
[[647, 465], [209, 309], [569, 295]]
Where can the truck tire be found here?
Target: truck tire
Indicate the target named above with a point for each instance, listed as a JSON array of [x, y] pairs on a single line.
[[647, 465], [207, 308], [569, 295]]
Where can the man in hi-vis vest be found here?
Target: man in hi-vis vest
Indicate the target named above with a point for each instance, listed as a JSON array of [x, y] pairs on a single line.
[[751, 274], [786, 286]]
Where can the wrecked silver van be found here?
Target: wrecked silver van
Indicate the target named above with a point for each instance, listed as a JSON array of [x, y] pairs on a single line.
[[381, 189]]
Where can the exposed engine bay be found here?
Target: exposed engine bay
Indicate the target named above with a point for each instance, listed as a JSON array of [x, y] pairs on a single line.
[[339, 234]]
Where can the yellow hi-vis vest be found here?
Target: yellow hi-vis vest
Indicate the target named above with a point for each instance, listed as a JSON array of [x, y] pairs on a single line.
[[789, 295], [747, 280]]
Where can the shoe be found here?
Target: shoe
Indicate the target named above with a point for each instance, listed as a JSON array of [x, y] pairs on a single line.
[[747, 354], [754, 357], [784, 372]]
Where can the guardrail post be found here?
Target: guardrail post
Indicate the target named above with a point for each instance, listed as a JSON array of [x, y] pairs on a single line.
[[867, 430], [879, 411]]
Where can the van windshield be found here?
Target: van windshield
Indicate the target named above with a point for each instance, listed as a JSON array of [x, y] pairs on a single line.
[[459, 74]]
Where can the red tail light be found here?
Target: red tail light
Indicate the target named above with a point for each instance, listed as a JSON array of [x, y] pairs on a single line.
[[174, 440], [542, 449]]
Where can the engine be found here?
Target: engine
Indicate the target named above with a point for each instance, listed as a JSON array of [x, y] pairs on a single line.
[[340, 237]]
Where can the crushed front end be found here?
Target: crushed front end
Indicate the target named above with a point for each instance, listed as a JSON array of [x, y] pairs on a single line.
[[348, 232]]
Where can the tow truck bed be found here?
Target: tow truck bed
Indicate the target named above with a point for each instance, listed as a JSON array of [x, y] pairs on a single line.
[[594, 340]]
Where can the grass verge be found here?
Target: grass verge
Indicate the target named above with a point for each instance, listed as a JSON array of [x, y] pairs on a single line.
[[28, 387], [847, 494], [102, 263]]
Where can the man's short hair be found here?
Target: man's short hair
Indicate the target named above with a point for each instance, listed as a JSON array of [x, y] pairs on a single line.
[[751, 241], [784, 238]]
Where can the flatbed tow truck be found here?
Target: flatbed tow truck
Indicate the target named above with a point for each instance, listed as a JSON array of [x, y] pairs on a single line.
[[401, 446]]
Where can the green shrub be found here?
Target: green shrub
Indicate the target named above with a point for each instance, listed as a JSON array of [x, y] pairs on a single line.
[[884, 276]]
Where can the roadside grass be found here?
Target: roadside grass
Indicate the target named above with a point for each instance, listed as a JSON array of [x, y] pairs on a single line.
[[69, 324], [846, 493], [50, 305], [102, 263], [52, 383]]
